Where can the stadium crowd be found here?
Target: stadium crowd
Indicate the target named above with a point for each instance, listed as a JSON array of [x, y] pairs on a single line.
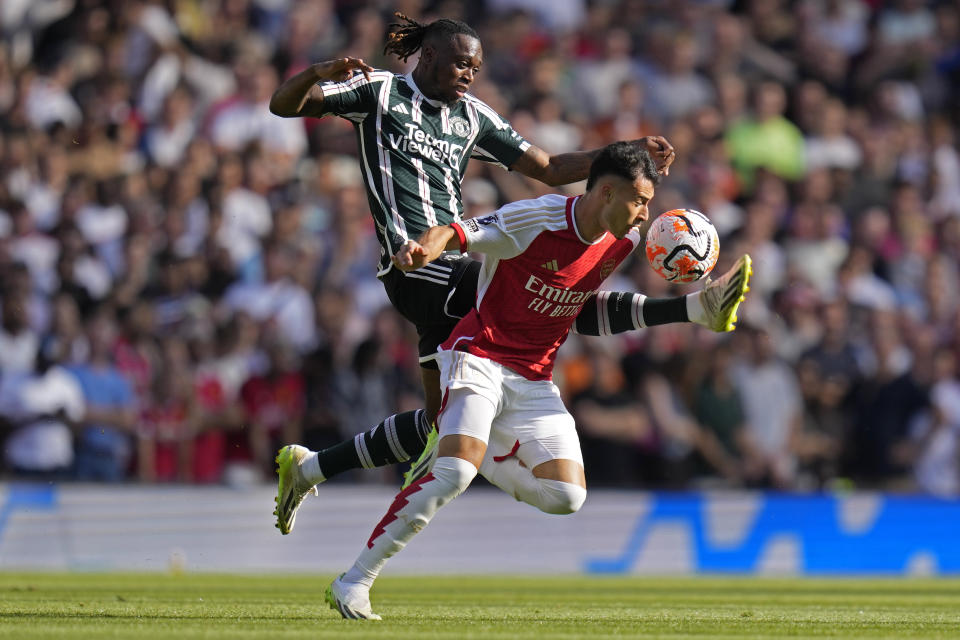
[[188, 281]]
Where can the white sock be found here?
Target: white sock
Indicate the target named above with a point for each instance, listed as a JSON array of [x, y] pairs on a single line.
[[411, 511], [310, 469], [550, 496], [636, 304], [695, 310]]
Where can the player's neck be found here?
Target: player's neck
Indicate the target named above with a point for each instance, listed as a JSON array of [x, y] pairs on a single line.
[[424, 85], [586, 215]]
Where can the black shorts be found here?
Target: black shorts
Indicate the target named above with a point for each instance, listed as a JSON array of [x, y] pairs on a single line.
[[434, 299]]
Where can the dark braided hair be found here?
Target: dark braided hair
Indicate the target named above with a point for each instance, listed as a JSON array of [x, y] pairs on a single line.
[[406, 38]]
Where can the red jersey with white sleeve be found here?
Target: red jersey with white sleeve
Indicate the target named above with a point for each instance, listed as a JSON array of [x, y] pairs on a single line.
[[537, 273]]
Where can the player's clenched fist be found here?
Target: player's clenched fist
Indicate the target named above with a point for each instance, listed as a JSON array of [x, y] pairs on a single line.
[[341, 69], [661, 151], [410, 256]]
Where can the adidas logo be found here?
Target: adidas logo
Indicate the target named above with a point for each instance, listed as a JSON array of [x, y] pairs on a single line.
[[399, 108], [551, 266]]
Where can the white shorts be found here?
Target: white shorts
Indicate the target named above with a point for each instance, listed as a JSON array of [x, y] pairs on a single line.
[[485, 400]]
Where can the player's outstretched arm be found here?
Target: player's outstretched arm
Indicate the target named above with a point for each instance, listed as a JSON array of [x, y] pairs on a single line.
[[300, 95], [565, 168], [418, 253]]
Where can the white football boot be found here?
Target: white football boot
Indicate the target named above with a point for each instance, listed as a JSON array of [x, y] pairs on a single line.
[[351, 599]]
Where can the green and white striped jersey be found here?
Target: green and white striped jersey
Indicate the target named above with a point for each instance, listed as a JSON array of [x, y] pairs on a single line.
[[414, 151]]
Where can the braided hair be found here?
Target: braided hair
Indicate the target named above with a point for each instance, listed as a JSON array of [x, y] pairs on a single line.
[[407, 37]]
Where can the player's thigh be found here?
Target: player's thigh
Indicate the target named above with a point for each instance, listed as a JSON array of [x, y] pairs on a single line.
[[536, 418], [562, 469], [471, 401], [430, 378]]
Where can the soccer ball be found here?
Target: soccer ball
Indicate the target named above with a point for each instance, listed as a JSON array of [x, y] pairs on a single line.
[[682, 245]]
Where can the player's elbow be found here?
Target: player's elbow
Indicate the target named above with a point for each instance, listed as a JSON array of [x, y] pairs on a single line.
[[281, 107]]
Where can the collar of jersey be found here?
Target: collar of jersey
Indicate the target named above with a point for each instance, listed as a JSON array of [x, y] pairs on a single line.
[[572, 221], [413, 85]]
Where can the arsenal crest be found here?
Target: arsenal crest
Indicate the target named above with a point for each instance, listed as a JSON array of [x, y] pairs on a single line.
[[607, 267]]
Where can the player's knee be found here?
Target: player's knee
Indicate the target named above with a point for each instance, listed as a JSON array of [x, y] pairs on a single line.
[[561, 498], [455, 472]]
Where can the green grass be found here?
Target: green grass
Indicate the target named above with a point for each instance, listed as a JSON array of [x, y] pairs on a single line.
[[155, 606]]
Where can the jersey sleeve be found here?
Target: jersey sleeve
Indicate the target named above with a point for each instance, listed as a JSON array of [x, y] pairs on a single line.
[[497, 142], [486, 235], [354, 99], [509, 230]]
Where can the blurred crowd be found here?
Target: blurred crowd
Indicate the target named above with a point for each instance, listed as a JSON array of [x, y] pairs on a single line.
[[188, 281]]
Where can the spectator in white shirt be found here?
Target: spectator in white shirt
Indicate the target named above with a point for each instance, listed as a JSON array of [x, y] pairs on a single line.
[[41, 408], [935, 436], [49, 101], [278, 300], [167, 140], [246, 118], [831, 147], [246, 213], [772, 407]]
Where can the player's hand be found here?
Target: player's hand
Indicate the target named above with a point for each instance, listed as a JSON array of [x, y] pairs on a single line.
[[411, 256], [661, 151], [341, 69]]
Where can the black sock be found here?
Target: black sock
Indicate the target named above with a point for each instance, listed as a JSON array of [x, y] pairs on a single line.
[[606, 313], [610, 312], [664, 310], [397, 439]]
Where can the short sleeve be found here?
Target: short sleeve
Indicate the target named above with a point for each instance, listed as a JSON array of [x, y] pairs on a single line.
[[354, 99], [497, 141], [507, 232], [486, 235]]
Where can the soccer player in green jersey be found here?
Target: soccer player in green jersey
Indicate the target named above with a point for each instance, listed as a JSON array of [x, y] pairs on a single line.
[[415, 135]]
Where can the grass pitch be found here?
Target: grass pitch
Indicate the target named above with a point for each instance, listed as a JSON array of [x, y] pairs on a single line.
[[156, 606]]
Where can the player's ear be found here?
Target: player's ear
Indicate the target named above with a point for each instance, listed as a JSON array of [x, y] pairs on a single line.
[[427, 53]]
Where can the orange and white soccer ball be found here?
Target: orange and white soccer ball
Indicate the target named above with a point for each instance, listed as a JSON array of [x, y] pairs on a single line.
[[682, 245]]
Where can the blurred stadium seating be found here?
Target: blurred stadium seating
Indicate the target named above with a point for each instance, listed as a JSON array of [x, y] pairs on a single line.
[[187, 281]]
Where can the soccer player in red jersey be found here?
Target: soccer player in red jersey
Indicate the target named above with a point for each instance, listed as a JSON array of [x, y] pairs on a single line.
[[416, 134], [501, 414]]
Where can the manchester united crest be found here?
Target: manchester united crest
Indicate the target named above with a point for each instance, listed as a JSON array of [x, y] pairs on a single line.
[[460, 126]]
